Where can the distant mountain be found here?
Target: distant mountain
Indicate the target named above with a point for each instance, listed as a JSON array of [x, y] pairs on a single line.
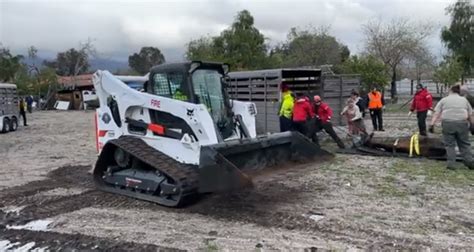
[[38, 61], [107, 64], [95, 64]]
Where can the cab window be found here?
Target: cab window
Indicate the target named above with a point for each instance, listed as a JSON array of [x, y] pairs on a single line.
[[167, 84]]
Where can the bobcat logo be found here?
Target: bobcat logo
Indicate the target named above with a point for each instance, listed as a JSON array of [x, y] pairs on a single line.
[[190, 112]]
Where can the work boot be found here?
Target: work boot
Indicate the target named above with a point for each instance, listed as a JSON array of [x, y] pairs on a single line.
[[431, 129]]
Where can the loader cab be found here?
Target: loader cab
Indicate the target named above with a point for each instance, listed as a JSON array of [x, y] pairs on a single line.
[[196, 82]]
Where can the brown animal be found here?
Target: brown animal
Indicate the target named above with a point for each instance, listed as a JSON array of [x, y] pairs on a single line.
[[429, 147]]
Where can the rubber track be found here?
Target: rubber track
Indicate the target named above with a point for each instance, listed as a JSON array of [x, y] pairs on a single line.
[[185, 176]]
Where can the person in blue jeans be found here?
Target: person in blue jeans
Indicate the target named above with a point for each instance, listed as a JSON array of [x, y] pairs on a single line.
[[29, 103]]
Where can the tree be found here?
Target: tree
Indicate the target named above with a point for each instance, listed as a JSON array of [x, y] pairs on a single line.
[[46, 78], [276, 58], [313, 47], [345, 53], [37, 85], [23, 81], [459, 36], [204, 49], [393, 42], [73, 61], [145, 59], [241, 45], [28, 78], [34, 70], [448, 72], [420, 65], [33, 55], [9, 65], [70, 63], [373, 72]]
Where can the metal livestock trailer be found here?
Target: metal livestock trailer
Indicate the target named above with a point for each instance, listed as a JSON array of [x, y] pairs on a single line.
[[9, 110], [262, 87]]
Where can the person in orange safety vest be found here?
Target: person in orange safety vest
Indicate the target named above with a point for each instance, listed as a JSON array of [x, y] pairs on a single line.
[[376, 104]]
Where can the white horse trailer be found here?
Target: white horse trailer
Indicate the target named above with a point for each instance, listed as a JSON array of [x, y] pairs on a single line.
[[9, 110]]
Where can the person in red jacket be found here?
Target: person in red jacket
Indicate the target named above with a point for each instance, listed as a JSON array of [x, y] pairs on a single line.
[[323, 115], [302, 114], [422, 102]]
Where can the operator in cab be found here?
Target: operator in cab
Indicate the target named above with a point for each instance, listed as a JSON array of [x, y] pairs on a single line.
[[179, 95]]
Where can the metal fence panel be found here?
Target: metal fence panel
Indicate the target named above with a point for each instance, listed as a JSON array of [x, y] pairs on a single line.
[[263, 88]]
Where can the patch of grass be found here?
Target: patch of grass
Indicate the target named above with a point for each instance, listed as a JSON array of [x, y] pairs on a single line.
[[358, 216], [433, 171], [396, 108], [361, 173], [389, 179], [389, 189], [334, 164], [420, 229], [211, 245], [389, 186]]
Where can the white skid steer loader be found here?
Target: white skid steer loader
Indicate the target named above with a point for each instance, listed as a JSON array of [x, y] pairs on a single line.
[[182, 136]]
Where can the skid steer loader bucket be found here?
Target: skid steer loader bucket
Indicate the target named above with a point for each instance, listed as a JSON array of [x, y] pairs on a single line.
[[226, 166]]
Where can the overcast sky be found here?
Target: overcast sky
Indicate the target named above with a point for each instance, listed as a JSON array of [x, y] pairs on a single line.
[[120, 28]]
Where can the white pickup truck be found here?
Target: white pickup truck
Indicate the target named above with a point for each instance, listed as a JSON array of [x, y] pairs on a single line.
[[9, 110]]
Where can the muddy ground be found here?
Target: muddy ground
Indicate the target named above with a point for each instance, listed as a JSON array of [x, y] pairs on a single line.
[[47, 201]]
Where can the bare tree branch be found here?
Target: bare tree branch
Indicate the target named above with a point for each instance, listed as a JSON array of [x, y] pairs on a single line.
[[395, 41]]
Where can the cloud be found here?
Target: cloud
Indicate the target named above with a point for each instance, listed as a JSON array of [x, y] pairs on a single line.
[[122, 27]]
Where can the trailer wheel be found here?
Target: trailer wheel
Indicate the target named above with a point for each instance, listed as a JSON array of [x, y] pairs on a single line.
[[6, 125], [14, 124]]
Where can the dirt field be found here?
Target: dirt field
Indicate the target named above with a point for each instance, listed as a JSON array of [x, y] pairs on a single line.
[[47, 201]]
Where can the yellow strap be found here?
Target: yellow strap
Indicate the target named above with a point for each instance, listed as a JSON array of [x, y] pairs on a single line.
[[417, 144], [414, 144]]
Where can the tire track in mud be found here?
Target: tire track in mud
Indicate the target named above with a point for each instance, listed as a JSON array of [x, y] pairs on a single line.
[[54, 241], [251, 206], [36, 206], [64, 177], [49, 208], [255, 207], [249, 213]]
